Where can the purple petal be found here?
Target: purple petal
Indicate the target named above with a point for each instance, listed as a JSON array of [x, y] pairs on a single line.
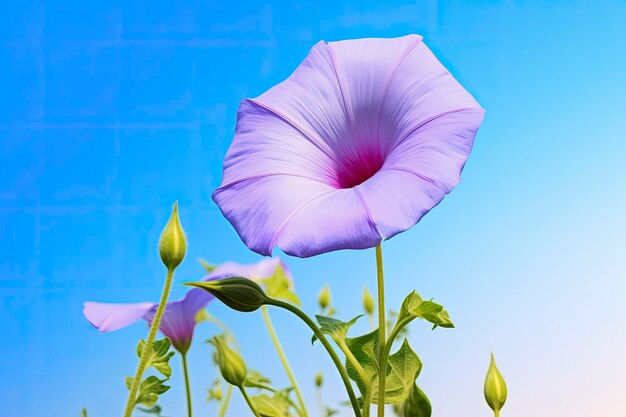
[[258, 208], [335, 220], [108, 317], [363, 139], [365, 69], [179, 319], [255, 271]]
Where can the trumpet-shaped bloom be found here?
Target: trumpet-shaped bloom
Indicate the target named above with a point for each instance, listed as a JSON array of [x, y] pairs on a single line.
[[179, 319], [360, 142]]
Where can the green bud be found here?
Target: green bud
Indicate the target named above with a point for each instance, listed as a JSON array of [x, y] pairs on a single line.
[[319, 379], [323, 298], [215, 392], [495, 388], [368, 301], [172, 244], [240, 294], [232, 367]]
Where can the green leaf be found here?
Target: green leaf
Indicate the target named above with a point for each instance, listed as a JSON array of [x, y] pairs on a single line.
[[159, 355], [83, 412], [156, 410], [414, 307], [403, 368], [208, 267], [201, 316], [150, 389], [279, 286], [254, 379], [275, 406], [365, 350], [215, 392], [330, 412], [336, 329], [416, 404]]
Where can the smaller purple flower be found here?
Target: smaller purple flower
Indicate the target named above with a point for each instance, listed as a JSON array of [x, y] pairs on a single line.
[[179, 320]]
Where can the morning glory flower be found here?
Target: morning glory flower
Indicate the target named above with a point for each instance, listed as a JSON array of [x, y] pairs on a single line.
[[360, 142], [178, 323], [179, 320]]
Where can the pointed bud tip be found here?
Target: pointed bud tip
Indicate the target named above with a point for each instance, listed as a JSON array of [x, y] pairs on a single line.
[[368, 301], [319, 379], [238, 293], [323, 297], [495, 387], [173, 243], [231, 365]]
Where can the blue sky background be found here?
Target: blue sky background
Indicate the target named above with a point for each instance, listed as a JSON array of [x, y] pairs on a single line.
[[111, 111]]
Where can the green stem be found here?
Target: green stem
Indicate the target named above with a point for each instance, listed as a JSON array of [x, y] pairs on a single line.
[[352, 359], [496, 413], [283, 360], [225, 401], [389, 343], [382, 334], [187, 385], [331, 352], [367, 401], [143, 361], [245, 396]]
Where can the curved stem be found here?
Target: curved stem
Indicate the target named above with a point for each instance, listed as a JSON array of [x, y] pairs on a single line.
[[389, 343], [245, 397], [187, 385], [283, 360], [350, 358], [331, 352], [143, 361], [225, 402], [382, 334]]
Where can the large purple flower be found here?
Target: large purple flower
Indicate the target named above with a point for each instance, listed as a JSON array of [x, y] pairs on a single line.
[[179, 319], [362, 140]]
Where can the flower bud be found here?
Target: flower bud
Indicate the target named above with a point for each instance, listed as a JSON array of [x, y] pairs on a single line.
[[319, 379], [323, 298], [232, 367], [495, 388], [172, 244], [240, 294], [368, 301]]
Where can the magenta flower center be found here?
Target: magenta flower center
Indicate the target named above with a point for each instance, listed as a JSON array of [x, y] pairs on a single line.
[[353, 170]]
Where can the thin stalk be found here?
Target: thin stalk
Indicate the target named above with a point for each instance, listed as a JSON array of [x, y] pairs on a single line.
[[143, 361], [187, 385], [283, 360], [225, 402], [350, 358], [392, 336], [331, 352], [320, 402], [245, 397], [382, 334]]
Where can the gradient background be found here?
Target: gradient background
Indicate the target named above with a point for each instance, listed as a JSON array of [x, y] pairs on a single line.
[[110, 112]]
